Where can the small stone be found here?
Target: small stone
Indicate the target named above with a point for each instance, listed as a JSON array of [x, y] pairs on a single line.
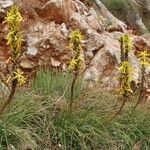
[[26, 64], [55, 62], [32, 51]]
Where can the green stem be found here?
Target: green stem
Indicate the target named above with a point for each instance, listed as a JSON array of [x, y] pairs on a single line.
[[72, 90], [12, 92], [141, 94]]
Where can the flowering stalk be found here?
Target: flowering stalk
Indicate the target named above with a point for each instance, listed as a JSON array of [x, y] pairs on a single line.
[[126, 46], [14, 40], [125, 70], [144, 61], [77, 61]]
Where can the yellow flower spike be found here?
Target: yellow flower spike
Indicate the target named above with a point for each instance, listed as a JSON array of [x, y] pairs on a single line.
[[75, 40], [76, 46], [126, 72], [73, 64], [19, 76], [76, 36], [127, 43], [14, 40], [14, 17], [126, 67], [14, 37], [77, 61], [144, 56]]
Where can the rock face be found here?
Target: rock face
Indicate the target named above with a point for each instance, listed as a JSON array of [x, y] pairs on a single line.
[[145, 12], [47, 25], [58, 10], [47, 42], [134, 12]]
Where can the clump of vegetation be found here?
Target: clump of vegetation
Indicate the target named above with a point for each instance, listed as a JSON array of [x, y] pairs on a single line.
[[39, 121], [14, 131], [14, 40], [57, 83], [77, 61]]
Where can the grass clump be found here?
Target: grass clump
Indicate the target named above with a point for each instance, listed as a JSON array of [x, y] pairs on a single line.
[[13, 125], [57, 82], [43, 122]]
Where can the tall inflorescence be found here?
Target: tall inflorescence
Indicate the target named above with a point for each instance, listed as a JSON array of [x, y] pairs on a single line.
[[125, 71], [14, 40], [76, 46], [125, 68], [77, 61], [144, 57]]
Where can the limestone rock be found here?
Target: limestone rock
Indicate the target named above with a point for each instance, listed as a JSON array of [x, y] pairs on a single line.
[[142, 43], [5, 4], [27, 64], [93, 20], [52, 10], [104, 65], [46, 36], [47, 26], [105, 60]]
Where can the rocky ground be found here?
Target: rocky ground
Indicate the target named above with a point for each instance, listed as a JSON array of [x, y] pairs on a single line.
[[46, 27]]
